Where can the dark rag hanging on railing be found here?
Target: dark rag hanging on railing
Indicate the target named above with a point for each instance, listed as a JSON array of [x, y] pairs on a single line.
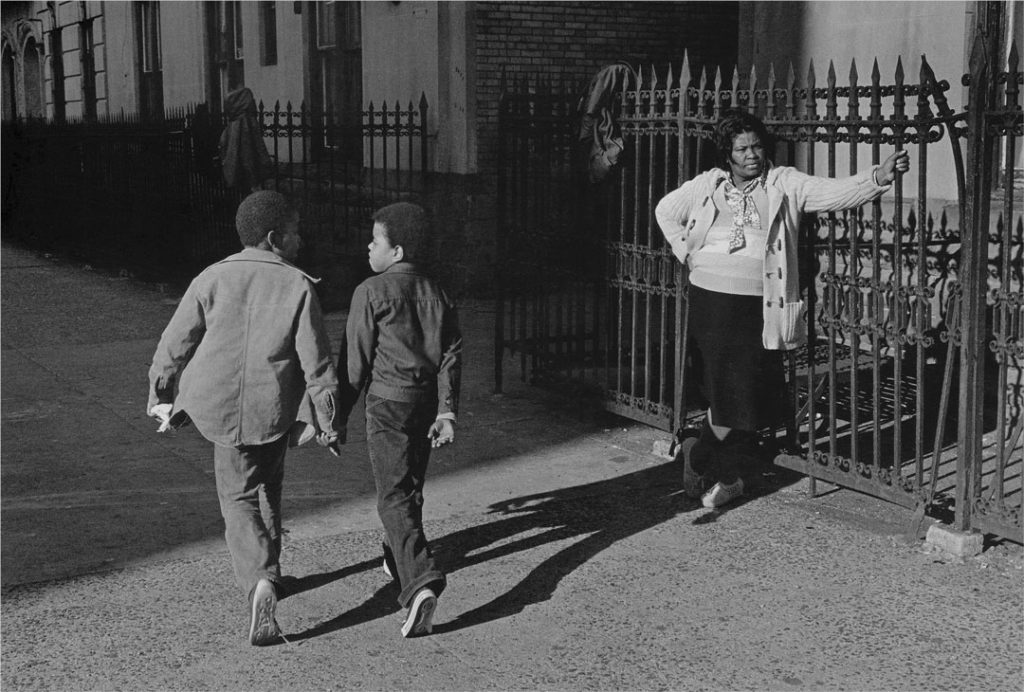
[[600, 134], [243, 154]]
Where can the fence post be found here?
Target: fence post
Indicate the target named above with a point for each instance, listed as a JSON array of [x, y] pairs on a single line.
[[974, 259], [684, 172], [424, 172], [500, 274]]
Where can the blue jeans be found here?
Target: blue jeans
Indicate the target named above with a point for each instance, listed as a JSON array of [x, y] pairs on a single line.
[[396, 436], [249, 480]]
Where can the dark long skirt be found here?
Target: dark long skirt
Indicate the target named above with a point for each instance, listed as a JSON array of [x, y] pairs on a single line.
[[741, 380]]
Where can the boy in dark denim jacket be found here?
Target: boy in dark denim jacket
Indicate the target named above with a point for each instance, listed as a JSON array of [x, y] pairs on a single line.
[[245, 346], [402, 345]]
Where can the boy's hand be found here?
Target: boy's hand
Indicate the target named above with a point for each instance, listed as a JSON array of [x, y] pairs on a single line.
[[332, 441], [441, 433], [162, 412]]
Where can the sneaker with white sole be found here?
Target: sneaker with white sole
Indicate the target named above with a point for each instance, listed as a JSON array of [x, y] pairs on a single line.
[[263, 627], [419, 619], [722, 494]]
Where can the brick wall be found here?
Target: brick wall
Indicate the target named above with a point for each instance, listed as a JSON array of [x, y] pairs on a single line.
[[572, 40], [568, 41]]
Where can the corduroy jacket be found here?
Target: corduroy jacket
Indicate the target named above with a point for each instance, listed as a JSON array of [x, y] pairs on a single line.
[[244, 346], [686, 214]]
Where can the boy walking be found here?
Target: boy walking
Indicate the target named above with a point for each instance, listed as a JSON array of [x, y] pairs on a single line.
[[245, 345], [402, 345]]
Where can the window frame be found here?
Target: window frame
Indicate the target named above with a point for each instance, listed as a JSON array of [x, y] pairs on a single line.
[[268, 32]]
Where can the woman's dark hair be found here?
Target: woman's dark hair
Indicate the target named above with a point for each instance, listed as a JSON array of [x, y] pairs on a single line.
[[735, 122]]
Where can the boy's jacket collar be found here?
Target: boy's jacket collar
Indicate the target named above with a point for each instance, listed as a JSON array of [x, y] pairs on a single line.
[[402, 268], [252, 254]]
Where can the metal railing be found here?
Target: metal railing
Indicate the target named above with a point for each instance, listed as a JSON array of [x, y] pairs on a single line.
[[148, 197], [591, 296]]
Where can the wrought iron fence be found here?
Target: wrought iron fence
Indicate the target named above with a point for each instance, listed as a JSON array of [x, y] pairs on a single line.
[[148, 197], [990, 449], [591, 295]]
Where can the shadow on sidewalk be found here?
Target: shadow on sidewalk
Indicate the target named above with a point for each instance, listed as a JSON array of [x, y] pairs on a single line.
[[599, 514]]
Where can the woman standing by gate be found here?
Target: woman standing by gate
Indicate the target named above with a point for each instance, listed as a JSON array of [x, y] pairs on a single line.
[[736, 228]]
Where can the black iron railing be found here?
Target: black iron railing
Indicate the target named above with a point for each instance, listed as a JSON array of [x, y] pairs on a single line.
[[591, 296], [148, 197]]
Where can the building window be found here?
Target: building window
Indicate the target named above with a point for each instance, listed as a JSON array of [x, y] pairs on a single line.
[[9, 103], [31, 67], [268, 33], [151, 84], [338, 87], [56, 65], [236, 29], [224, 50], [149, 36], [88, 52], [326, 43]]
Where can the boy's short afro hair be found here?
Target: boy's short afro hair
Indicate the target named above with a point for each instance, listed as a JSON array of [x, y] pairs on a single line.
[[408, 225], [261, 212]]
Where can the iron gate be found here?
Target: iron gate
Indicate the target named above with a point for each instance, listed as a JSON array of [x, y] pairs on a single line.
[[592, 297], [588, 290]]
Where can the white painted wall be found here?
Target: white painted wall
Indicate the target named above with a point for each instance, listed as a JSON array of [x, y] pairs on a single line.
[[863, 30], [119, 34], [182, 30], [419, 48], [400, 51], [456, 142], [284, 81]]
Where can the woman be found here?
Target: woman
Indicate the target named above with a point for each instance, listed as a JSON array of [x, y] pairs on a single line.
[[736, 228]]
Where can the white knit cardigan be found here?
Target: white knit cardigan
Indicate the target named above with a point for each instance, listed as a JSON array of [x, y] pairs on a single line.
[[686, 214]]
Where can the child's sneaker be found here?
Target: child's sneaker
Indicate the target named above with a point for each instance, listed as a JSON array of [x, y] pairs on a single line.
[[263, 627], [722, 494], [419, 620], [388, 566]]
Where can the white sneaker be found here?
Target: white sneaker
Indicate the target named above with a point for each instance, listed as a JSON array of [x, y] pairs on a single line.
[[420, 618], [721, 494], [263, 627]]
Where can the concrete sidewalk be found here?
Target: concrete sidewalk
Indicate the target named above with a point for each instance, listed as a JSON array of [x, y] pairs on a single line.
[[574, 561]]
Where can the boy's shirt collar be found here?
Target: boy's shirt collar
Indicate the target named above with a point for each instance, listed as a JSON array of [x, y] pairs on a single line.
[[402, 268]]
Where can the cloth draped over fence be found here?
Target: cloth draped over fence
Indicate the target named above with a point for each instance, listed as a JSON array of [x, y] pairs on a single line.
[[599, 131], [243, 154]]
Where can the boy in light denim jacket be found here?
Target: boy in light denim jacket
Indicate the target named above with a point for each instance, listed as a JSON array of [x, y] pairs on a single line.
[[402, 345], [246, 344]]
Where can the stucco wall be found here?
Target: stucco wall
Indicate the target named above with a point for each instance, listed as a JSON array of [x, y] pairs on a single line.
[[403, 58], [122, 89], [284, 81], [845, 30], [182, 37], [37, 16], [863, 31]]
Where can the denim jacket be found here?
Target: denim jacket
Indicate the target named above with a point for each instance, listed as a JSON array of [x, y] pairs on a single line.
[[244, 346], [402, 341]]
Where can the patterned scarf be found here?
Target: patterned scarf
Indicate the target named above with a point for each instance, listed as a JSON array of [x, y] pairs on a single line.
[[744, 211]]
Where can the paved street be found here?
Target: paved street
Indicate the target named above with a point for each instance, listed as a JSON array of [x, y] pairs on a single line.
[[574, 561]]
